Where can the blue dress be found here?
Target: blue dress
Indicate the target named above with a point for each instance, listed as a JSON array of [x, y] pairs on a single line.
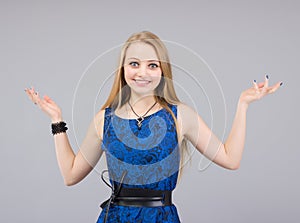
[[150, 156]]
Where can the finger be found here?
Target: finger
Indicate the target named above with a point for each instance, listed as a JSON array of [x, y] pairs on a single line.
[[50, 101], [261, 84], [49, 105], [27, 91], [44, 104], [255, 85], [31, 91], [48, 108], [35, 97], [275, 87], [29, 94], [266, 81]]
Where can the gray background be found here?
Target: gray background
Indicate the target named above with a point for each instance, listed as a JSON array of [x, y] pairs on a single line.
[[50, 44]]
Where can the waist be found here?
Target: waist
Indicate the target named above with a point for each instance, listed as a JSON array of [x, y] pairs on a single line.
[[139, 197]]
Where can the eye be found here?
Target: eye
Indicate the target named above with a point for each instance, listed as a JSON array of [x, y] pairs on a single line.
[[134, 64], [153, 65]]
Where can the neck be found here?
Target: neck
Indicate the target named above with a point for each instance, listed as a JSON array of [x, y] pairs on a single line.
[[141, 101]]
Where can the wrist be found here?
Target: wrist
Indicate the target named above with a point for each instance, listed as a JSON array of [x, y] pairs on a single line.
[[58, 127], [243, 105], [56, 119]]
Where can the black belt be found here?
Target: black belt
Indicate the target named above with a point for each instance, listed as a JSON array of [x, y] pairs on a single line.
[[137, 197]]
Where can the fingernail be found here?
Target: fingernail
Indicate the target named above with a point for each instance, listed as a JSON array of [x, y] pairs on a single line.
[[267, 76], [281, 83], [254, 81]]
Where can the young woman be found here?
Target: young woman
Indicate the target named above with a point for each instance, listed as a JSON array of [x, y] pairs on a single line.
[[143, 129]]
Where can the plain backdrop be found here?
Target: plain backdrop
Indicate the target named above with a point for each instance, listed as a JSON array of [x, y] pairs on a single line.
[[69, 50]]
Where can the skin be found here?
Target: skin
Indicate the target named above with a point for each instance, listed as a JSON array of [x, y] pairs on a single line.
[[142, 74], [140, 65], [228, 154]]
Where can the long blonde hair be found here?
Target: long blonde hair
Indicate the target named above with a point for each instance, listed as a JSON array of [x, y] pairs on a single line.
[[164, 93]]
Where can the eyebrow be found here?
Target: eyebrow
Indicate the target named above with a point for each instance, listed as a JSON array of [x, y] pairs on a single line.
[[151, 60]]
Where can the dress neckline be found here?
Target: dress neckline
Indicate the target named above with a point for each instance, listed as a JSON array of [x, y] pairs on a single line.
[[148, 116]]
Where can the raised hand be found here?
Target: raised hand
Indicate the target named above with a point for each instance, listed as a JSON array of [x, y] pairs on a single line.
[[258, 91], [46, 104]]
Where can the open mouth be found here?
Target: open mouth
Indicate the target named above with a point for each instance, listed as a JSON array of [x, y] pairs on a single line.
[[141, 82]]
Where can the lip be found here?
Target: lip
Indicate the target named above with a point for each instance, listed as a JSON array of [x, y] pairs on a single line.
[[141, 82]]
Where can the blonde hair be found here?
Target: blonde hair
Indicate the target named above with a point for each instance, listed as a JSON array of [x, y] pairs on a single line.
[[164, 93]]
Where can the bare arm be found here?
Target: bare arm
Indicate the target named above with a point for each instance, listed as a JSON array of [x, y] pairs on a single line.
[[229, 154], [73, 167], [203, 139]]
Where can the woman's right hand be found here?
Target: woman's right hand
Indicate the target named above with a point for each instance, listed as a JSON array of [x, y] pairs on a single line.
[[46, 104]]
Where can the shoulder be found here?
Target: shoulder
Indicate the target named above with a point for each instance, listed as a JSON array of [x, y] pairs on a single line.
[[99, 116], [99, 122], [187, 117], [184, 110]]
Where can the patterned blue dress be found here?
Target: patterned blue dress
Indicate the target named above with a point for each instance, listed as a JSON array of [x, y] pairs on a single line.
[[150, 156]]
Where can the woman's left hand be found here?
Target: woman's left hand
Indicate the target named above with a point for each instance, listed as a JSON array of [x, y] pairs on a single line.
[[258, 91]]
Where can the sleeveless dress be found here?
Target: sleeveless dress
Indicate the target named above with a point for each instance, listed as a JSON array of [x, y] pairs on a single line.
[[149, 155]]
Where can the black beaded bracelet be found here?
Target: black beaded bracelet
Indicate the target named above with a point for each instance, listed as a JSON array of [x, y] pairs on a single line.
[[58, 127]]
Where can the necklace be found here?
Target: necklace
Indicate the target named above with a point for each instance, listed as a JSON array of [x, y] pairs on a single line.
[[139, 118]]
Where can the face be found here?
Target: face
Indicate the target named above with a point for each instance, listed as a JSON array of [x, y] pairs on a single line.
[[142, 68]]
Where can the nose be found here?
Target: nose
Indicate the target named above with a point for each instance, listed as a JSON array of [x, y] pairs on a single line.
[[142, 69]]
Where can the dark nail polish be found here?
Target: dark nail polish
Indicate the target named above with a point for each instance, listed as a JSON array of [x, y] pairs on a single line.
[[254, 81], [281, 83], [267, 76]]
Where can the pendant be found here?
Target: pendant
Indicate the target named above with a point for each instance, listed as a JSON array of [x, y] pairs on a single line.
[[139, 122]]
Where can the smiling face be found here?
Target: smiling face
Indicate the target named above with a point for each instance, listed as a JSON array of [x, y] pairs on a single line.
[[142, 69]]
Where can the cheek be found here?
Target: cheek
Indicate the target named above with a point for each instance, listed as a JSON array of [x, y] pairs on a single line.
[[156, 75], [128, 72]]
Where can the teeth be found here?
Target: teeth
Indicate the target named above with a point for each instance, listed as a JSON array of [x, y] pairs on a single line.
[[142, 81]]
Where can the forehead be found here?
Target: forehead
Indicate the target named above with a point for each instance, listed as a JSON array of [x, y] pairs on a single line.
[[141, 51]]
